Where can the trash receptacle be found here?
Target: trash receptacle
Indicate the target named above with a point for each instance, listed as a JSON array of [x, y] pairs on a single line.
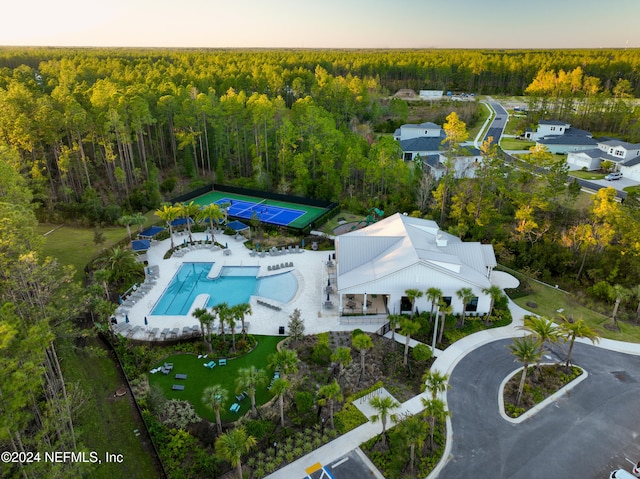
[[281, 330]]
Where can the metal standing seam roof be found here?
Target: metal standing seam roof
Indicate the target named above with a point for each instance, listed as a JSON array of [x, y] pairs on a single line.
[[399, 242]]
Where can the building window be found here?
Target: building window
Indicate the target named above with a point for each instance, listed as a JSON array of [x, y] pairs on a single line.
[[472, 305], [446, 300], [619, 153], [553, 128], [408, 156]]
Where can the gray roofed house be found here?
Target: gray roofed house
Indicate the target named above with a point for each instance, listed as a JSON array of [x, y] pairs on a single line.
[[425, 140], [559, 137], [625, 156]]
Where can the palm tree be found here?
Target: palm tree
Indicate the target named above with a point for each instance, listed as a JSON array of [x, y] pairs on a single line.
[[620, 293], [408, 328], [279, 387], [466, 296], [526, 350], [240, 310], [496, 294], [285, 361], [445, 309], [188, 211], [232, 445], [205, 318], [394, 322], [362, 342], [414, 431], [576, 329], [248, 380], [435, 382], [543, 329], [215, 397], [329, 394], [211, 213], [222, 310], [435, 410], [122, 266], [383, 405], [342, 356], [434, 295], [168, 213], [102, 276], [413, 294], [134, 219]]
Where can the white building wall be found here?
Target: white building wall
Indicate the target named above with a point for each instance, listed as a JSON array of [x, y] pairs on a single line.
[[577, 161], [420, 277], [631, 172]]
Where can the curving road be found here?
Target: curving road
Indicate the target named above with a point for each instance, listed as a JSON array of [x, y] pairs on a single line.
[[585, 434], [496, 129]]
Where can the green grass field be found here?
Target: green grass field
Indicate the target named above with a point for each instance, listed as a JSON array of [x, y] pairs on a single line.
[[199, 378], [550, 300], [513, 144], [311, 212], [587, 175]]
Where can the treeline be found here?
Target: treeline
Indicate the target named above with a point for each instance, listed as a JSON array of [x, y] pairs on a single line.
[[102, 132], [37, 301]]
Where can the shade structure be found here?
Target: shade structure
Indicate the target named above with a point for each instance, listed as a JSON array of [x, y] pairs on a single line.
[[150, 232], [181, 222], [237, 226], [140, 245]]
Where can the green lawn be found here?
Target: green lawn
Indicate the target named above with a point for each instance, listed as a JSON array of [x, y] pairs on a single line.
[[484, 114], [513, 144], [587, 175], [74, 245], [105, 424], [550, 300], [199, 378]]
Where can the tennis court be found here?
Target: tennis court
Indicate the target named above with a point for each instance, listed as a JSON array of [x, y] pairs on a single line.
[[275, 212], [276, 215]]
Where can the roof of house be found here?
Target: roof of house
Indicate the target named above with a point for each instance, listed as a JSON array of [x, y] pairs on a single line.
[[424, 143], [597, 153], [615, 142], [553, 122], [567, 140], [421, 126], [399, 242]]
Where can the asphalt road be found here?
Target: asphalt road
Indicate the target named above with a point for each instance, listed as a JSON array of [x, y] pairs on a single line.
[[584, 434], [498, 124]]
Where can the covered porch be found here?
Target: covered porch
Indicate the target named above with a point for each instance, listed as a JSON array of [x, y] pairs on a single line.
[[353, 304]]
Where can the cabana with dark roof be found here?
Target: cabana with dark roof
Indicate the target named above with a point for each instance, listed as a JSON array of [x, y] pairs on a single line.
[[238, 226], [181, 222], [150, 233], [139, 246]]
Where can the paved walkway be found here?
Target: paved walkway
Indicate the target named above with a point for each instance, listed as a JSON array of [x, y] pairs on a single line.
[[445, 362]]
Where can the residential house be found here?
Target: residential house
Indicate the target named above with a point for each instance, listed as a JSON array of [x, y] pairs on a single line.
[[380, 262], [625, 156], [559, 137], [425, 142]]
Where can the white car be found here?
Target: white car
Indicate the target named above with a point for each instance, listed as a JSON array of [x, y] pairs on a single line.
[[616, 175], [621, 474], [636, 470]]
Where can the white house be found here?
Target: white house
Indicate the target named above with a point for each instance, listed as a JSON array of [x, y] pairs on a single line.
[[377, 264], [425, 141], [559, 137], [464, 165], [625, 156]]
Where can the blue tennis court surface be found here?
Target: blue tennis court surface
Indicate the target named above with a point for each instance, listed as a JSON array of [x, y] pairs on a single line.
[[276, 215]]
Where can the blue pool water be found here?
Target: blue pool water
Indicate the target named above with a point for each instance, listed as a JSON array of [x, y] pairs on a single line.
[[235, 285]]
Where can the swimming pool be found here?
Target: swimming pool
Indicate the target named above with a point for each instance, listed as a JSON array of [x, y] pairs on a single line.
[[234, 285]]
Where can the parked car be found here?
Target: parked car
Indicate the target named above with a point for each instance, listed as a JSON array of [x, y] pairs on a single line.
[[621, 474], [616, 175]]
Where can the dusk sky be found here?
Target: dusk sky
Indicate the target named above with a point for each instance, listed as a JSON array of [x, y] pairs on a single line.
[[323, 24]]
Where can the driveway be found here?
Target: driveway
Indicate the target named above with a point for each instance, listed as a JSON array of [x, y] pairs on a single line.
[[584, 434]]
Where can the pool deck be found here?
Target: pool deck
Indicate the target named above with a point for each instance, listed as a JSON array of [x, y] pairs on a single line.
[[309, 267]]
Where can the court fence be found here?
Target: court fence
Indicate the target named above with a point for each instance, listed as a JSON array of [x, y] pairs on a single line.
[[331, 208]]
